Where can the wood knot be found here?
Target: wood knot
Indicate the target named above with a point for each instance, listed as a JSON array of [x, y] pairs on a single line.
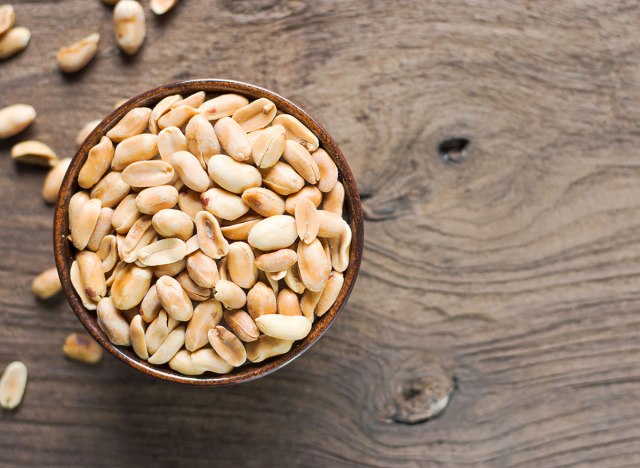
[[453, 150], [420, 392]]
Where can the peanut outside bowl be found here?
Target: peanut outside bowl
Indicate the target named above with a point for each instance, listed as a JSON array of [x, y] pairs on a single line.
[[64, 250]]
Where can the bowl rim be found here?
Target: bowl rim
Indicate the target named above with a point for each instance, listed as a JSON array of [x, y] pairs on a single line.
[[69, 186]]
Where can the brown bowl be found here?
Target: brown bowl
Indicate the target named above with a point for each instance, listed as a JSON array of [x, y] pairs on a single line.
[[63, 249]]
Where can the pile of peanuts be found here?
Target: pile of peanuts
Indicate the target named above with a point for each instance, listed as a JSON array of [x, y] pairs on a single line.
[[208, 233]]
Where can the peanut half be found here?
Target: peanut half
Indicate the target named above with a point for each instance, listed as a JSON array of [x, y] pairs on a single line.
[[53, 181], [7, 18], [46, 284], [129, 25], [12, 385], [15, 118], [34, 152], [75, 57], [13, 41], [82, 348]]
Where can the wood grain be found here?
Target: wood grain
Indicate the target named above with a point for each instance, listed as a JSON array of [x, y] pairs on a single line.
[[510, 276]]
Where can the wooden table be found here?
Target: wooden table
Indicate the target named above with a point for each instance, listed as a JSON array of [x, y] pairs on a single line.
[[506, 272]]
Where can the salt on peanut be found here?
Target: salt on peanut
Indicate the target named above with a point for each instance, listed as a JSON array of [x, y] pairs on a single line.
[[34, 152], [129, 25], [46, 284], [15, 118], [76, 56], [82, 348]]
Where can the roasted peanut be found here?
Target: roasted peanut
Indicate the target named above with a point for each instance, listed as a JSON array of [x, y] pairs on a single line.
[[174, 299], [282, 179], [130, 286], [263, 201], [13, 41], [202, 269], [276, 232], [223, 204], [34, 152], [15, 118], [206, 316], [222, 106], [313, 264], [125, 215], [46, 284], [309, 192], [210, 238], [160, 109], [232, 175], [169, 348], [76, 56], [53, 181], [7, 18], [327, 170], [102, 229], [190, 171], [228, 346], [129, 26], [98, 161], [284, 327], [111, 189], [239, 230], [82, 348], [133, 123], [268, 146], [12, 385], [280, 260], [296, 131], [261, 300], [242, 325], [202, 141], [307, 220], [112, 323], [288, 303], [233, 139], [255, 115], [162, 252], [153, 199], [194, 291], [230, 294]]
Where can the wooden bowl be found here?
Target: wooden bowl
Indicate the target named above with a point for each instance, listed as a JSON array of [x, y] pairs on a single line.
[[64, 250]]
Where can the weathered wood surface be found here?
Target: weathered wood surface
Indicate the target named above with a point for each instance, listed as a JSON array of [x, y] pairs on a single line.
[[513, 272]]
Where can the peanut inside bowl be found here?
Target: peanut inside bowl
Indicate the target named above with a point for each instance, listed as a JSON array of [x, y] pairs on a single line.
[[208, 232]]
